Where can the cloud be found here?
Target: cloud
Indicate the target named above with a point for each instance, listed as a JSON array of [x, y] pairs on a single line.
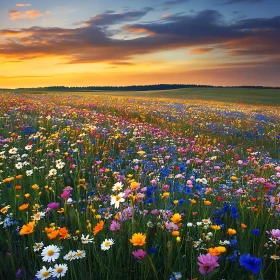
[[23, 5], [243, 1], [110, 17], [31, 14], [91, 42], [202, 50]]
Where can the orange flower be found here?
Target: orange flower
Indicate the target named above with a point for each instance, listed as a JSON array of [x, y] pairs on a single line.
[[134, 185], [98, 227], [138, 239], [8, 180], [27, 229], [193, 201], [175, 233], [176, 218], [18, 187], [19, 176], [243, 226], [23, 206], [63, 233], [50, 229], [233, 178], [216, 251], [207, 202], [5, 209], [215, 227], [165, 194], [53, 234], [231, 231]]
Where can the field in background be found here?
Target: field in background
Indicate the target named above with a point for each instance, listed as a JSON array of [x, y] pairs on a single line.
[[269, 97]]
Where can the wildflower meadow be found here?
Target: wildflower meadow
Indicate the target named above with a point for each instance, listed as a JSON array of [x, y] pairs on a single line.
[[95, 186]]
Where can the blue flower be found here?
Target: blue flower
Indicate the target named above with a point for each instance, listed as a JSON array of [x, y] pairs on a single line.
[[256, 231], [252, 264]]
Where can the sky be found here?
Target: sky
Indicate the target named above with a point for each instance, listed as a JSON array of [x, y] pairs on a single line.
[[128, 42]]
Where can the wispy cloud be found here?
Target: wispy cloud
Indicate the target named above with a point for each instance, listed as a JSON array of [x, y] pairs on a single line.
[[243, 1], [175, 2], [23, 5], [31, 14]]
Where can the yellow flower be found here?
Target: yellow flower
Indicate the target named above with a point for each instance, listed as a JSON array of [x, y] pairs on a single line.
[[134, 185], [215, 227], [176, 218], [233, 178], [8, 180], [175, 202], [138, 239], [35, 187], [165, 194], [27, 195], [231, 231], [193, 201]]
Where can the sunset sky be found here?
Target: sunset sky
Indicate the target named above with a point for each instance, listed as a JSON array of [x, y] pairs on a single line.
[[125, 42]]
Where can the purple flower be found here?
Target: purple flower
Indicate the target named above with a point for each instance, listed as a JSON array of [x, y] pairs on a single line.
[[19, 273], [53, 205], [115, 226], [139, 254], [207, 263]]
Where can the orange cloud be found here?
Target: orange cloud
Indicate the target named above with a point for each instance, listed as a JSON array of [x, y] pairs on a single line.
[[23, 5], [201, 50], [31, 14]]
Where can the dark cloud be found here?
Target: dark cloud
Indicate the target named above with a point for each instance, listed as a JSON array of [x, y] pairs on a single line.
[[110, 17], [91, 42]]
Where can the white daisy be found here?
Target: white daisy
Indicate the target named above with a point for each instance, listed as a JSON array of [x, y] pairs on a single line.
[[50, 253], [60, 165], [106, 244], [52, 172], [18, 165], [38, 246], [79, 254], [59, 270], [38, 216], [117, 186], [28, 147], [44, 273], [29, 172], [86, 240], [116, 199], [69, 256], [13, 151]]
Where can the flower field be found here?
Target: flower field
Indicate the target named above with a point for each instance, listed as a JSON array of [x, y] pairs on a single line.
[[111, 187]]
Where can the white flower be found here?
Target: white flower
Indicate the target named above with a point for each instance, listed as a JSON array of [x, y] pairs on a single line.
[[50, 253], [116, 199], [38, 246], [86, 240], [117, 186], [28, 147], [60, 164], [79, 254], [52, 172], [18, 165], [29, 172], [69, 256], [44, 273], [189, 224], [38, 216], [13, 151], [59, 270], [106, 244]]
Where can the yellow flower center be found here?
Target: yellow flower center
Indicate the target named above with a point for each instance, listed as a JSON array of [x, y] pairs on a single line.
[[118, 198], [107, 244], [79, 254], [46, 273], [50, 253], [59, 269]]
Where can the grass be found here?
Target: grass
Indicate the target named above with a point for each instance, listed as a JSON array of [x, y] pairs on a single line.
[[269, 97]]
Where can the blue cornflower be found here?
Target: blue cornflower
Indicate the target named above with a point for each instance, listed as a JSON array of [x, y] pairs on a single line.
[[256, 231], [252, 264]]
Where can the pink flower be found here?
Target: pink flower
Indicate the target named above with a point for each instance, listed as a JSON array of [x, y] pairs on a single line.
[[65, 194], [275, 233], [115, 226], [207, 263], [139, 254], [53, 205]]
